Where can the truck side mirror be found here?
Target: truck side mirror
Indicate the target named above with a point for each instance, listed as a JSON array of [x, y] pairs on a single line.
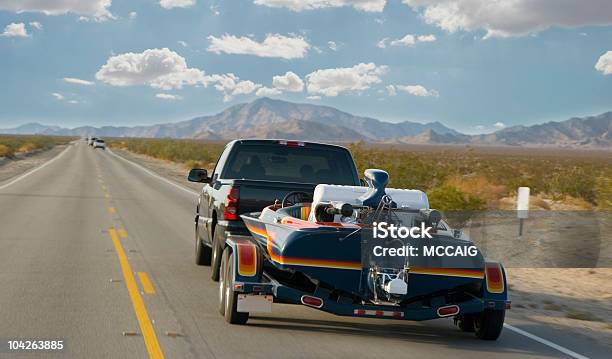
[[198, 175]]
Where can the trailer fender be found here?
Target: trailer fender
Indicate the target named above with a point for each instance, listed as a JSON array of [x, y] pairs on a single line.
[[248, 259]]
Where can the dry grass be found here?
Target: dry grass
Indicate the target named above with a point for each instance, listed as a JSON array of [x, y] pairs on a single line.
[[10, 145]]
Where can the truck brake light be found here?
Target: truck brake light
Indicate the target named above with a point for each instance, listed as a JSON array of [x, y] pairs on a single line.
[[230, 212], [291, 143]]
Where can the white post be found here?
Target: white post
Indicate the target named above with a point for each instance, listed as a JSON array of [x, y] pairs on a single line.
[[522, 206]]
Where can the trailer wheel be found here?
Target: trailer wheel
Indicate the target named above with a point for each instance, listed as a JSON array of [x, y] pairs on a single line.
[[465, 323], [489, 324], [232, 315], [223, 278]]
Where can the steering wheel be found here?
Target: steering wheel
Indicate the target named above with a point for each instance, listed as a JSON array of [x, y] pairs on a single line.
[[294, 197]]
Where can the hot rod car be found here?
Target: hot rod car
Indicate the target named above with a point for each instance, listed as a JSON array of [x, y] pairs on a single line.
[[317, 251]]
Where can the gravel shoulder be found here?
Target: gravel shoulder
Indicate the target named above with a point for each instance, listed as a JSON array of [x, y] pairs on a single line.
[[22, 163], [576, 300]]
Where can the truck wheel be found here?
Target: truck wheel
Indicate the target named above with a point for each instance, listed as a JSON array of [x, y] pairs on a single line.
[[217, 252], [203, 253], [232, 315], [223, 278], [489, 324], [466, 323]]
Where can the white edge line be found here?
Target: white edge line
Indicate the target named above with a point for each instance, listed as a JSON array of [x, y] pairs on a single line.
[[36, 169], [546, 342], [154, 174]]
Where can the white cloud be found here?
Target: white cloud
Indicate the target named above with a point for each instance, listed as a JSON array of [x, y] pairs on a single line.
[[313, 97], [426, 38], [479, 127], [382, 43], [604, 64], [183, 43], [274, 45], [417, 90], [301, 5], [230, 85], [391, 90], [96, 9], [167, 96], [58, 96], [499, 125], [15, 30], [267, 91], [215, 9], [170, 4], [72, 80], [73, 102], [132, 15], [332, 45], [37, 25], [512, 18], [158, 68], [288, 82], [410, 40], [331, 82]]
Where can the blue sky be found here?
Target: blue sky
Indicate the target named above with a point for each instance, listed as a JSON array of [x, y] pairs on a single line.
[[473, 65]]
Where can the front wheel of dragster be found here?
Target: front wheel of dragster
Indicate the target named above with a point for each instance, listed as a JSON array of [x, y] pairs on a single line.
[[489, 324], [232, 315]]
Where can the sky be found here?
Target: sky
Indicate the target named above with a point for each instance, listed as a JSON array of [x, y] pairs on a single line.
[[474, 65]]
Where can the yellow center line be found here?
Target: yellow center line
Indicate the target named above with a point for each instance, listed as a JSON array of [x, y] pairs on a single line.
[[150, 338], [112, 210], [147, 286], [122, 233]]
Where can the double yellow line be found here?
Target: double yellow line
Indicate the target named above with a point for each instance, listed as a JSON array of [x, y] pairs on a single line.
[[150, 338]]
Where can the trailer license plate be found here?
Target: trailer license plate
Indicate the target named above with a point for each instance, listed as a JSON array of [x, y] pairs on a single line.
[[254, 303]]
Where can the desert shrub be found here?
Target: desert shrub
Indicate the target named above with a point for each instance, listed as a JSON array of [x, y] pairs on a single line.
[[10, 144], [450, 198], [5, 151]]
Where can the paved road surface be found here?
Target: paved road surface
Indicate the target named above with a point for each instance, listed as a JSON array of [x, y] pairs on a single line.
[[77, 234]]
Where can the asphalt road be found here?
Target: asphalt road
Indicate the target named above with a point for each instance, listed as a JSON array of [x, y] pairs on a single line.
[[77, 235]]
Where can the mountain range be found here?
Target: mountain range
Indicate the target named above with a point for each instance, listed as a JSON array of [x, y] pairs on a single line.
[[268, 118]]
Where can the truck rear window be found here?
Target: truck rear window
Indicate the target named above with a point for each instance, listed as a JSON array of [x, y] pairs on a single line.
[[272, 162]]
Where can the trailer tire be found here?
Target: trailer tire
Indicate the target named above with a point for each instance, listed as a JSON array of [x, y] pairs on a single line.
[[223, 278], [232, 315], [489, 324]]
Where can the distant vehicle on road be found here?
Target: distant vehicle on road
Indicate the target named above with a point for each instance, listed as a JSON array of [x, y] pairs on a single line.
[[91, 140], [99, 143], [252, 174]]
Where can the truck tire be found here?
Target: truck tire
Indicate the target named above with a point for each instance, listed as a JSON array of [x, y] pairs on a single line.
[[223, 278], [232, 315], [203, 253], [218, 244], [466, 323], [489, 324]]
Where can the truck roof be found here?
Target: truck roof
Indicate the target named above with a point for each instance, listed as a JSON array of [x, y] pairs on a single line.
[[268, 140]]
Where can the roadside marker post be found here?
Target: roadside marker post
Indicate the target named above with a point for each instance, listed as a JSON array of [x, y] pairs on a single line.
[[522, 206]]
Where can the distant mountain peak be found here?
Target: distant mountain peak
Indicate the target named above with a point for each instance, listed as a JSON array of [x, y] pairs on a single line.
[[268, 117]]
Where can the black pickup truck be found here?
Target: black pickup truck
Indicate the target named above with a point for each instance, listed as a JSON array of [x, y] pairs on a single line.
[[252, 174]]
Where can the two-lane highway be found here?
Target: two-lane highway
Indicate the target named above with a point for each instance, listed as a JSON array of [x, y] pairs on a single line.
[[99, 253]]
